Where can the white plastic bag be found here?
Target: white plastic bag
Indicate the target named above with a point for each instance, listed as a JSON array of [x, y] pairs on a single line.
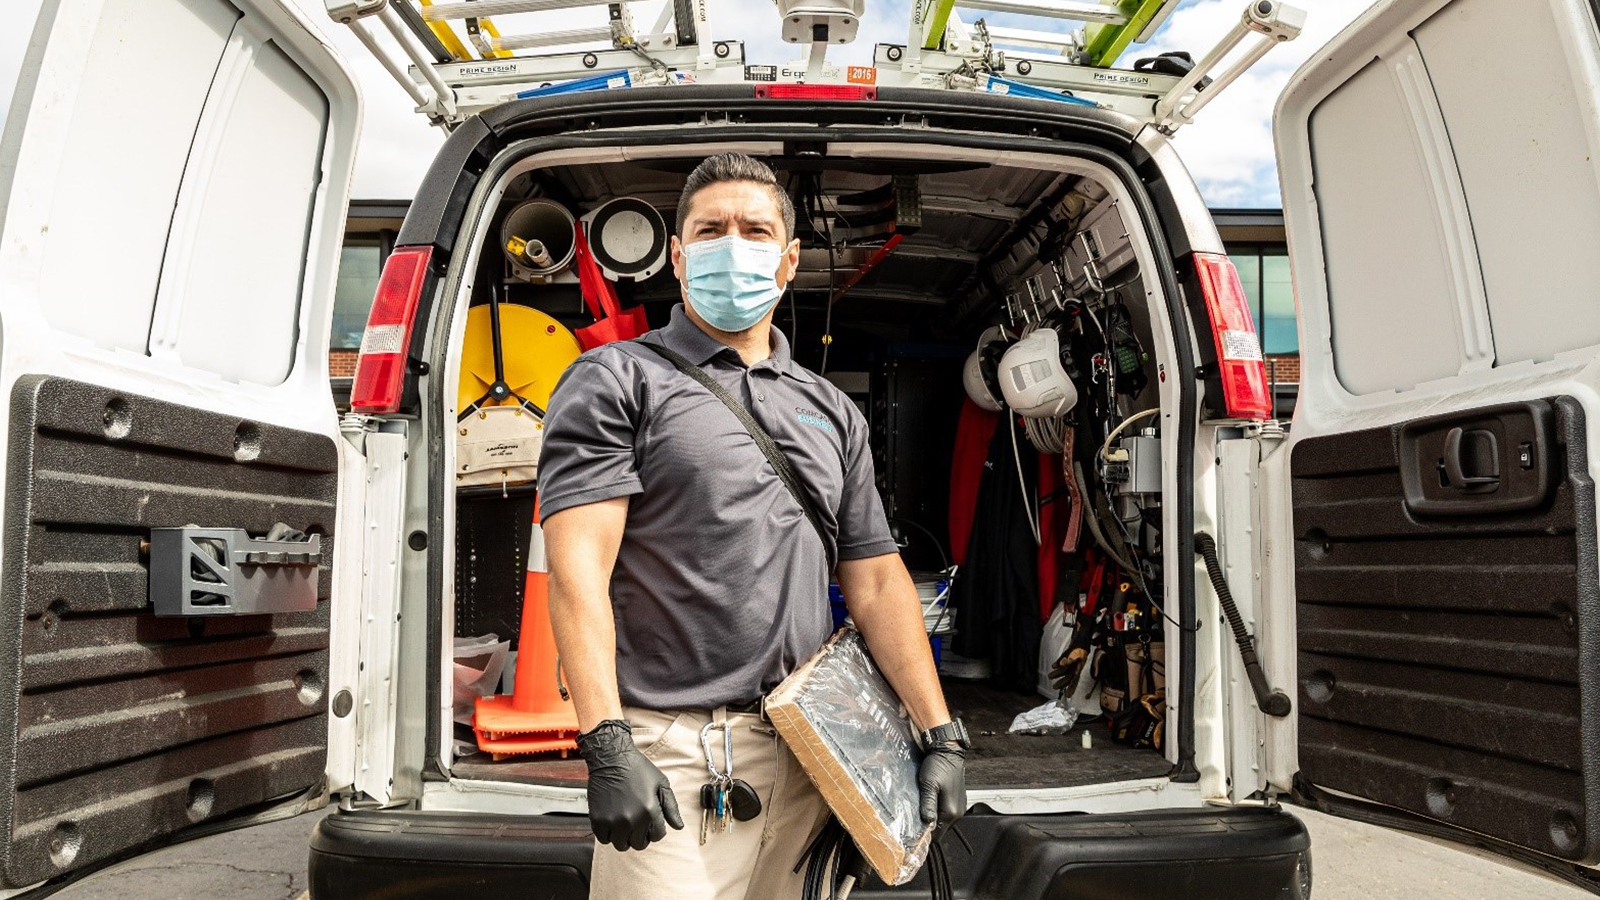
[[478, 661], [1057, 637], [1055, 717]]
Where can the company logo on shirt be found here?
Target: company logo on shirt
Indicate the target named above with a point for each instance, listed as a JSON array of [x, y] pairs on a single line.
[[813, 418]]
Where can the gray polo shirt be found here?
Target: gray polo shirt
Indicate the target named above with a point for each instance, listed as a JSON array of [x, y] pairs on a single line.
[[721, 586]]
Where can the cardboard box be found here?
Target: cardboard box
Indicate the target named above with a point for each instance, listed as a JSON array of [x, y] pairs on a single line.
[[853, 738]]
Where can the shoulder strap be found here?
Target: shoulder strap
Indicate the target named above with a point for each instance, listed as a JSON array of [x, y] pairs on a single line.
[[769, 447]]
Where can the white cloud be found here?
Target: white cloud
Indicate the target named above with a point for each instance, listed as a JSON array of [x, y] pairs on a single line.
[[1228, 150]]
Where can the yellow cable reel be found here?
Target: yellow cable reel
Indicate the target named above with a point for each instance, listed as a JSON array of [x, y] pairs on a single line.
[[537, 349]]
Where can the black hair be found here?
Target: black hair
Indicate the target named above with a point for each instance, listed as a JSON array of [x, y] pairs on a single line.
[[735, 167]]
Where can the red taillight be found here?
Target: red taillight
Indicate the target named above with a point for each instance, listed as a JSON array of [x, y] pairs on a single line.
[[381, 369], [815, 92], [1239, 360]]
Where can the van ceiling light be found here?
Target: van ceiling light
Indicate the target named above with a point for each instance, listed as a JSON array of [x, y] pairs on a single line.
[[1239, 359], [381, 368]]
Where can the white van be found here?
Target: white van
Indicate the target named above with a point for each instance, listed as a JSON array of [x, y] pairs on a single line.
[[1416, 557]]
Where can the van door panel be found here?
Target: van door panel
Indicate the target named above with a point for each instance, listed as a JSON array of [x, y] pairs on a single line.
[[129, 726], [125, 142], [1527, 164], [173, 180], [1366, 132], [1441, 665], [244, 221]]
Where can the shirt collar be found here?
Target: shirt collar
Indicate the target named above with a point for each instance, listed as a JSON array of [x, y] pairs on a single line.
[[684, 336]]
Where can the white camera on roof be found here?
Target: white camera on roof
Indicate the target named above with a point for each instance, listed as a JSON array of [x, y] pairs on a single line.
[[840, 18], [1279, 21]]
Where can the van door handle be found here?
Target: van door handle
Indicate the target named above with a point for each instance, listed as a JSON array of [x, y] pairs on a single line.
[[1454, 463]]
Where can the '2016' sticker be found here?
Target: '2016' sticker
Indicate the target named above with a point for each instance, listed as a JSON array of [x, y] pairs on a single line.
[[1241, 346]]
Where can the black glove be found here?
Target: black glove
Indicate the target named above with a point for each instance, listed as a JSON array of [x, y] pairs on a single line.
[[630, 801], [942, 782]]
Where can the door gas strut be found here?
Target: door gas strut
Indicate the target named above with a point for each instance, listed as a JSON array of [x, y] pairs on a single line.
[[1273, 703]]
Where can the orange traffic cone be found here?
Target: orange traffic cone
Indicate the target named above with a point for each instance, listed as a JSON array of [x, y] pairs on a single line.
[[535, 718]]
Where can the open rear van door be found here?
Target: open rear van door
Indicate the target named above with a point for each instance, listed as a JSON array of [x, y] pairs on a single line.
[[1440, 164], [173, 181]]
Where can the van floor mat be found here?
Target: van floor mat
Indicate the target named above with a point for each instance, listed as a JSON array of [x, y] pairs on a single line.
[[549, 771], [997, 760], [1001, 760]]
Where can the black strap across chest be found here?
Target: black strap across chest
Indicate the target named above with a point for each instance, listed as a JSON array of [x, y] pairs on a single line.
[[769, 447]]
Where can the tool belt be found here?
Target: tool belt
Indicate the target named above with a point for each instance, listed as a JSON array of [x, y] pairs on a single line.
[[1136, 709]]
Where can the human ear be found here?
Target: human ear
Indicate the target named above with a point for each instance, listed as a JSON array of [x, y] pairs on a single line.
[[789, 263]]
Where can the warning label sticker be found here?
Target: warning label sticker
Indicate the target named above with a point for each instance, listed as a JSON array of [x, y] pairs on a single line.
[[1241, 346]]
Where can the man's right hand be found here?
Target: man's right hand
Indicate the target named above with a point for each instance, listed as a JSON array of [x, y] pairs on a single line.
[[630, 801]]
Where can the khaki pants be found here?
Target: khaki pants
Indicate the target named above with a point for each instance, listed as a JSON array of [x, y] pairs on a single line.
[[756, 859]]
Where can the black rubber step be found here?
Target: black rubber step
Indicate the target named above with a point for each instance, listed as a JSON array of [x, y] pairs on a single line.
[[1181, 854]]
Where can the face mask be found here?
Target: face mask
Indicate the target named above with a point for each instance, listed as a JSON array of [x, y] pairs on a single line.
[[732, 282]]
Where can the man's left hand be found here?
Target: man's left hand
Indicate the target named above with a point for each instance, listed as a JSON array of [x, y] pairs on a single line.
[[942, 783]]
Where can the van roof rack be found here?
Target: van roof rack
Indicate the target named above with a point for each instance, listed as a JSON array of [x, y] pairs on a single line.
[[453, 73]]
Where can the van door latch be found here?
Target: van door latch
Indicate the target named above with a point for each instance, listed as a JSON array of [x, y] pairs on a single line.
[[226, 572]]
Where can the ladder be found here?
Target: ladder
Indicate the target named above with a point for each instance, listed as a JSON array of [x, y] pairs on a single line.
[[1110, 26], [460, 57]]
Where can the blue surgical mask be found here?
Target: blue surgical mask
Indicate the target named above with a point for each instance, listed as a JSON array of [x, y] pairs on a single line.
[[732, 282]]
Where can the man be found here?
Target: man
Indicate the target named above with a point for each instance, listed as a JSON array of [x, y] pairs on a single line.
[[686, 581]]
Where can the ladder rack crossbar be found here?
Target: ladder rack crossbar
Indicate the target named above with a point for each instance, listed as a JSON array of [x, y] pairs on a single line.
[[1044, 40], [551, 39], [478, 9], [540, 71], [1055, 9]]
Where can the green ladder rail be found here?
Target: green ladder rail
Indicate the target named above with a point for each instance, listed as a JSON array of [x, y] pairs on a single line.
[[1110, 26]]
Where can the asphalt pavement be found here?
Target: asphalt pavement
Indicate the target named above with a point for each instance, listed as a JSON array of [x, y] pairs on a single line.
[[265, 862], [1351, 861]]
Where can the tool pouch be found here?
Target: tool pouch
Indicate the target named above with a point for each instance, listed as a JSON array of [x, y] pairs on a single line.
[[1140, 721], [498, 445]]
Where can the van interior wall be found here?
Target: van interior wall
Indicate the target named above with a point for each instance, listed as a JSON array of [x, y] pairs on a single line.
[[904, 267]]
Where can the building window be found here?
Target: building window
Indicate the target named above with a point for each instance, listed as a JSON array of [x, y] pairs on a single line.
[[1279, 336], [360, 263], [1264, 273]]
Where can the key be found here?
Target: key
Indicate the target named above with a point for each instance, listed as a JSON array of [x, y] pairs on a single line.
[[708, 805], [722, 806], [743, 800]]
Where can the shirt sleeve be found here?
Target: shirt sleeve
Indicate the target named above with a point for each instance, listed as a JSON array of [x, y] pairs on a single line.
[[863, 527], [589, 446]]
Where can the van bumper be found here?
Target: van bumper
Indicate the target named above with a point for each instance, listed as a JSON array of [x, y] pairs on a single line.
[[1182, 854]]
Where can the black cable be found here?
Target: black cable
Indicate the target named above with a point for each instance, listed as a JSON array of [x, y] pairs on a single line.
[[937, 545], [1273, 703], [827, 321]]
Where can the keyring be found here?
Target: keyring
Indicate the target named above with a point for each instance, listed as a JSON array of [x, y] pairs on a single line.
[[727, 750]]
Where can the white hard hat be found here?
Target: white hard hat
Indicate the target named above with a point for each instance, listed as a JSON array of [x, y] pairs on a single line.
[[978, 376], [1033, 380]]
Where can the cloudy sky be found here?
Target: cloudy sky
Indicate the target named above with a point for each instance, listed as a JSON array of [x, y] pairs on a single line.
[[1229, 148]]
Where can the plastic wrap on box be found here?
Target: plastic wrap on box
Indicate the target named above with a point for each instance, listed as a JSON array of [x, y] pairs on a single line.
[[848, 730]]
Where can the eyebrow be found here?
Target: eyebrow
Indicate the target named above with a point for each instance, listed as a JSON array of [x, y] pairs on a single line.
[[701, 221]]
